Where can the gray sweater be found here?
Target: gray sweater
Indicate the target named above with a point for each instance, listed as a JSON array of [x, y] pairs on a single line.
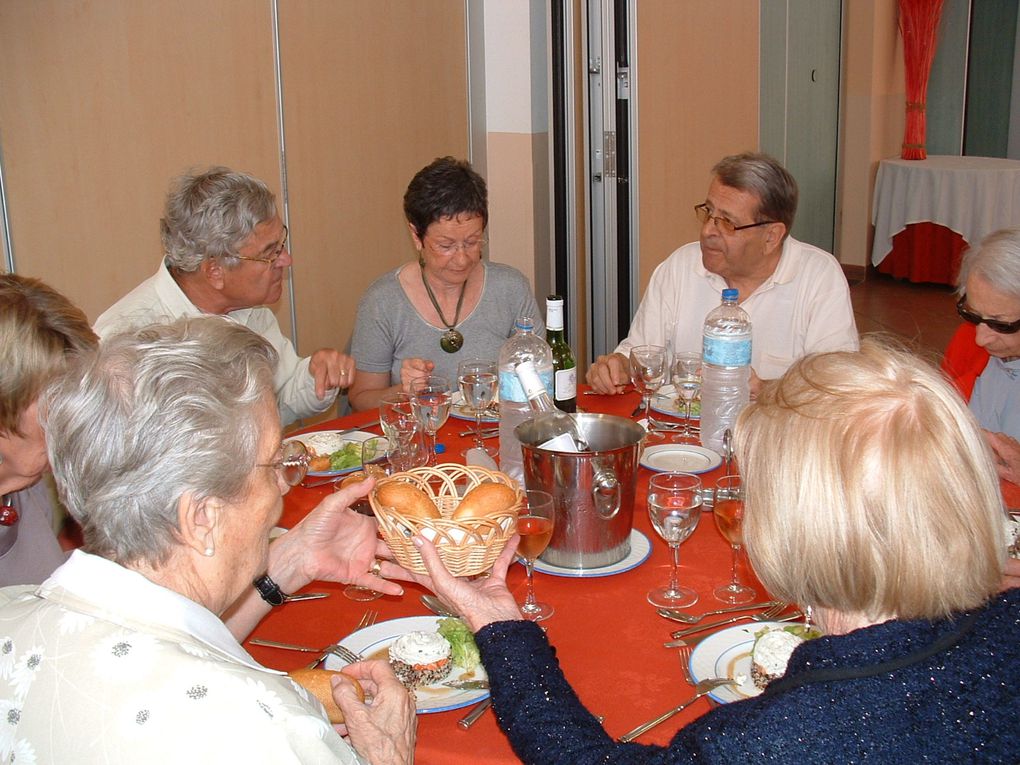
[[388, 328]]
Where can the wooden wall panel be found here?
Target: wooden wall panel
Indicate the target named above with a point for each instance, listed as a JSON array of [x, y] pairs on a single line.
[[698, 101], [102, 103], [372, 93]]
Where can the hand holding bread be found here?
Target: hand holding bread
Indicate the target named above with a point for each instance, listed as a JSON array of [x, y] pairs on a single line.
[[317, 682]]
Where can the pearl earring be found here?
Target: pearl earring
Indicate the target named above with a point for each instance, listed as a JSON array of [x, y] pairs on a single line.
[[208, 552]]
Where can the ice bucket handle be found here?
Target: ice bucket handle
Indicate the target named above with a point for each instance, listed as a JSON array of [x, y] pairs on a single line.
[[605, 492]]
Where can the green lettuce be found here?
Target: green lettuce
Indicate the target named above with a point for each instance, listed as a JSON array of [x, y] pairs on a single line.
[[464, 652]]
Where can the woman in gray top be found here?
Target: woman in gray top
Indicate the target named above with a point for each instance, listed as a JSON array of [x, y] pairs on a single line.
[[449, 306]]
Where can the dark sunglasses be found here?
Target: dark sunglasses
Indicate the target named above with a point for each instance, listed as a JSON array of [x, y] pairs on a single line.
[[1002, 327]]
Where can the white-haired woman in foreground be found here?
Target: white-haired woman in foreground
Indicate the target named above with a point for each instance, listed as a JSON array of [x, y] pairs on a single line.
[[871, 497], [166, 448]]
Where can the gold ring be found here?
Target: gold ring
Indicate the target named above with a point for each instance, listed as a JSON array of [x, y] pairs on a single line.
[[375, 568]]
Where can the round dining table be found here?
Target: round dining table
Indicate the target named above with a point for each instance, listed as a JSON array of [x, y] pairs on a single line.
[[608, 638]]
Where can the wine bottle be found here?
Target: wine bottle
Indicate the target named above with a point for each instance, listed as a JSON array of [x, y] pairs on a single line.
[[563, 434], [564, 365]]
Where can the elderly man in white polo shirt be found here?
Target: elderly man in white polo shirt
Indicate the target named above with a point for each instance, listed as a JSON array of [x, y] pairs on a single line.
[[225, 252], [796, 294]]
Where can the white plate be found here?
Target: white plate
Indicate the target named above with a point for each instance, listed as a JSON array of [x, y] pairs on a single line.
[[682, 458], [430, 698], [727, 653], [355, 436], [666, 402], [459, 411], [640, 549]]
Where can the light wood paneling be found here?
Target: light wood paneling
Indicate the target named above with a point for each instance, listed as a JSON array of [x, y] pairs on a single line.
[[102, 104], [698, 102], [372, 93]]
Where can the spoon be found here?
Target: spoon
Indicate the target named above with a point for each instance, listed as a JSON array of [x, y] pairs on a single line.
[[436, 606]]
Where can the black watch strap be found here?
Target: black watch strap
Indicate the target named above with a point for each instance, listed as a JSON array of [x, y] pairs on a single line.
[[270, 591]]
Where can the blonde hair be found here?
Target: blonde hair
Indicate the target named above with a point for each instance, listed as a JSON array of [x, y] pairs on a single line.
[[870, 488], [39, 330]]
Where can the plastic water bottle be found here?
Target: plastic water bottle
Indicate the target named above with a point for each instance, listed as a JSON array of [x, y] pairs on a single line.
[[523, 345], [726, 369]]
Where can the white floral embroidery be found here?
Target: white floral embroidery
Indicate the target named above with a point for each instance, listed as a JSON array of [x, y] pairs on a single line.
[[266, 699], [73, 622], [125, 656], [6, 657], [194, 650], [23, 753], [24, 672], [10, 716], [142, 715]]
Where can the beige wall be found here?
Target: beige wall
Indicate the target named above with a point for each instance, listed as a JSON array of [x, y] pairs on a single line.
[[697, 85]]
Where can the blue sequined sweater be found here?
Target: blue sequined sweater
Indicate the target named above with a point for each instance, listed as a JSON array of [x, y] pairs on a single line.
[[902, 692]]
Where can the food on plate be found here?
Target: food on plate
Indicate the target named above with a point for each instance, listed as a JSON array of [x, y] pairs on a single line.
[[420, 658], [406, 499], [329, 451], [1013, 535], [485, 499], [772, 649], [317, 682], [463, 650]]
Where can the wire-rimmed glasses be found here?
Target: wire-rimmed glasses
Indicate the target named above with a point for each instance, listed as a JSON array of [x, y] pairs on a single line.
[[276, 252], [726, 226], [292, 466]]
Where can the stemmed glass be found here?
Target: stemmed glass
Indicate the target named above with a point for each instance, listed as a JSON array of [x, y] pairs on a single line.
[[687, 379], [648, 372], [729, 518], [535, 525], [479, 381], [406, 448], [431, 398], [373, 458], [674, 506]]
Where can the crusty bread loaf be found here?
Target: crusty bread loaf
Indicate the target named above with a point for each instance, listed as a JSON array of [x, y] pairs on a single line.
[[316, 682], [406, 499], [485, 499]]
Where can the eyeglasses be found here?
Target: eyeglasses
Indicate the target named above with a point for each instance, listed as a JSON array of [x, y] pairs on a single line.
[[292, 466], [1002, 327], [277, 252], [449, 248], [704, 215]]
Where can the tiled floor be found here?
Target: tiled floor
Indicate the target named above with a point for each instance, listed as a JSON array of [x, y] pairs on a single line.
[[922, 314]]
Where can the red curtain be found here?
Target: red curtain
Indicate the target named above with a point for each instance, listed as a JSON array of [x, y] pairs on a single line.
[[919, 23]]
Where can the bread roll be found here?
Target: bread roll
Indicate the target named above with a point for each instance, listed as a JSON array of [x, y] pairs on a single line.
[[406, 499], [484, 500], [316, 682]]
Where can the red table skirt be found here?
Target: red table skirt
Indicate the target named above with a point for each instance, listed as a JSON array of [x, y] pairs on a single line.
[[925, 252]]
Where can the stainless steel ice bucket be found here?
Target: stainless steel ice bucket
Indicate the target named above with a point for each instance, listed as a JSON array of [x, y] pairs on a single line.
[[593, 491]]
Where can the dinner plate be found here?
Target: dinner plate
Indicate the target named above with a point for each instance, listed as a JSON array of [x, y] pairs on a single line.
[[640, 549], [682, 458], [354, 436], [461, 411], [667, 402], [727, 653], [373, 642]]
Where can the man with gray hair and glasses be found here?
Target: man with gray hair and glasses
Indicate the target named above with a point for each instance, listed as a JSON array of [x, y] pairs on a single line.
[[796, 294], [225, 252]]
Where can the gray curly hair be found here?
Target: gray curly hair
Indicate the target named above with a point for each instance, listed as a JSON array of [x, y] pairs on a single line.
[[211, 214], [155, 414], [996, 260]]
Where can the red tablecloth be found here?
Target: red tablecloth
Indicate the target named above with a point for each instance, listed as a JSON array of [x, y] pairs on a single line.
[[608, 638], [925, 252]]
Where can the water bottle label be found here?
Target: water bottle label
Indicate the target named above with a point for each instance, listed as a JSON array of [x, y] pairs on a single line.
[[727, 351], [510, 388]]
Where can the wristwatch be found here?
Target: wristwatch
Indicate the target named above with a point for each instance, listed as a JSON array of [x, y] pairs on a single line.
[[270, 591]]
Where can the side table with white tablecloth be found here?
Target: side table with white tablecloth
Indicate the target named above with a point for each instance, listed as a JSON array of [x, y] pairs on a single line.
[[971, 196]]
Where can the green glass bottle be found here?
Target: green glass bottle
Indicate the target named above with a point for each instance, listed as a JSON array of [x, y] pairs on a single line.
[[564, 365]]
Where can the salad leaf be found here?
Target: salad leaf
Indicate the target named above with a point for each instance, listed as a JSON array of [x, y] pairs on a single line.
[[464, 652], [348, 456]]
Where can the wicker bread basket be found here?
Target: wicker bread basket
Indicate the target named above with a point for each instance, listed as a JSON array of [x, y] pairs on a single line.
[[468, 546]]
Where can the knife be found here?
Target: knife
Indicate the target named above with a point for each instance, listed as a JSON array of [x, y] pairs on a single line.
[[468, 685]]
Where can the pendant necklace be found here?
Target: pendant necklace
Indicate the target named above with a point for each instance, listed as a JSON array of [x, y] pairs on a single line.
[[452, 340]]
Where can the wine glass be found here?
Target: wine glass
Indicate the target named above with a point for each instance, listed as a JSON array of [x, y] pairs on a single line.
[[373, 457], [648, 372], [479, 381], [687, 379], [431, 398], [406, 449], [729, 519], [674, 506], [535, 524]]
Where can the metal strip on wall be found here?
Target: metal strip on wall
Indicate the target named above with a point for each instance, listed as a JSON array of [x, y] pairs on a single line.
[[6, 221]]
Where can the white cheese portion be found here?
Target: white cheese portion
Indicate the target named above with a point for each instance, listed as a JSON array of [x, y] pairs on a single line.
[[417, 648], [772, 651]]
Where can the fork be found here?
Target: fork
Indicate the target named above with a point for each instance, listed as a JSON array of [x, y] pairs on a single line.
[[367, 620], [703, 688], [764, 616], [684, 654], [679, 616]]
